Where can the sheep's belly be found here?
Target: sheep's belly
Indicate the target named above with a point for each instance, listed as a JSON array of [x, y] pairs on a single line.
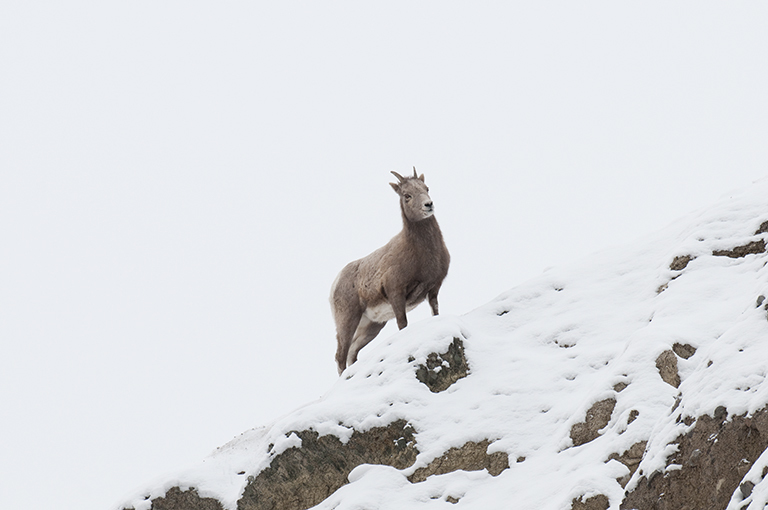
[[383, 312]]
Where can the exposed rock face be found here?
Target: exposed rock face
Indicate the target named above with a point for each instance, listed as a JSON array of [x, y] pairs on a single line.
[[742, 251], [470, 457], [598, 502], [176, 499], [680, 262], [685, 351], [597, 417], [442, 370], [713, 457], [630, 458], [542, 351], [300, 478], [667, 365]]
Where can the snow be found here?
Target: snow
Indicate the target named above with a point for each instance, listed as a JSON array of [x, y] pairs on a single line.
[[540, 355]]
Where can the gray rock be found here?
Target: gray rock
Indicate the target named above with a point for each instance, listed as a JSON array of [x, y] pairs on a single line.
[[667, 365], [597, 417], [442, 370], [470, 457]]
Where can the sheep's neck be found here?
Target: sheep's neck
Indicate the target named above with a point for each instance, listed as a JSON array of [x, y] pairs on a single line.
[[422, 232]]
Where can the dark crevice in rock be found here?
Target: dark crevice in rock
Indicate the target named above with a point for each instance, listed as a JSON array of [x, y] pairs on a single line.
[[300, 478], [667, 365], [597, 417], [470, 457], [742, 251], [714, 456], [685, 351], [599, 502], [442, 370]]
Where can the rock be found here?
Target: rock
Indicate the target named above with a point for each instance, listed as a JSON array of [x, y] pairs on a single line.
[[176, 499], [300, 478], [742, 251], [743, 468], [679, 262], [620, 386], [442, 370], [763, 228], [667, 365], [710, 469], [630, 458], [721, 413], [746, 488], [693, 460], [470, 457], [685, 351], [598, 502], [597, 417]]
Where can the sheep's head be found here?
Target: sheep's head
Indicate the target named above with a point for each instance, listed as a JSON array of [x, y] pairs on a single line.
[[414, 196]]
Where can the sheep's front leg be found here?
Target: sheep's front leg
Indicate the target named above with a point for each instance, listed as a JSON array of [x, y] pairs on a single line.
[[397, 302], [433, 301]]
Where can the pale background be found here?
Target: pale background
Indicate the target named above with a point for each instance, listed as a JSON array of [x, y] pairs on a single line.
[[180, 182]]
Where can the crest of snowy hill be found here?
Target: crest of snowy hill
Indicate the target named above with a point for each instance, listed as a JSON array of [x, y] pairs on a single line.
[[633, 379]]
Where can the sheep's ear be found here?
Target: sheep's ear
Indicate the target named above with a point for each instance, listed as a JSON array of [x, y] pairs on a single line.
[[421, 177], [395, 187]]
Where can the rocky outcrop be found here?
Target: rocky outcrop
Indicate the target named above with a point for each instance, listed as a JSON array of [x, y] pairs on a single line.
[[601, 384], [630, 458], [189, 499], [598, 502], [685, 351], [470, 457], [442, 370], [302, 477], [596, 418], [742, 251], [666, 363], [680, 262], [711, 460]]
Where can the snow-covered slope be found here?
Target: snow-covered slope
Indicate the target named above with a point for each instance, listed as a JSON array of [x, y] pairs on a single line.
[[550, 362]]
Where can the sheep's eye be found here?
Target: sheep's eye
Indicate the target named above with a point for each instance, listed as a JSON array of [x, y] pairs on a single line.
[[407, 196]]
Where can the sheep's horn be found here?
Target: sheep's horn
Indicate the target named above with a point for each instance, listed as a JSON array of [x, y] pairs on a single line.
[[399, 177], [415, 175]]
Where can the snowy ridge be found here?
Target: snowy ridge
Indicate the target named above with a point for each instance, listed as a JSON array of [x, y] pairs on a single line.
[[540, 356]]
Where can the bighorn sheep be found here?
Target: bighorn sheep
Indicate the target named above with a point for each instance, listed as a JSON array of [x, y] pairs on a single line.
[[395, 278]]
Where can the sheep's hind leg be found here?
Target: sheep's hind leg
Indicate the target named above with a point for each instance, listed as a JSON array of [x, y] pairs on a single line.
[[345, 334], [366, 331]]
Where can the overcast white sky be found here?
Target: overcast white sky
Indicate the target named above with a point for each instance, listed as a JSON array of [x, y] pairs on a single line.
[[180, 182]]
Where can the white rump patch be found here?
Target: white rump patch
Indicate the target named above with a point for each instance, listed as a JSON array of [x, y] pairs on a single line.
[[384, 312]]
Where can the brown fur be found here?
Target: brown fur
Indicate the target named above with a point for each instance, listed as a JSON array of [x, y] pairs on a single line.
[[393, 279]]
